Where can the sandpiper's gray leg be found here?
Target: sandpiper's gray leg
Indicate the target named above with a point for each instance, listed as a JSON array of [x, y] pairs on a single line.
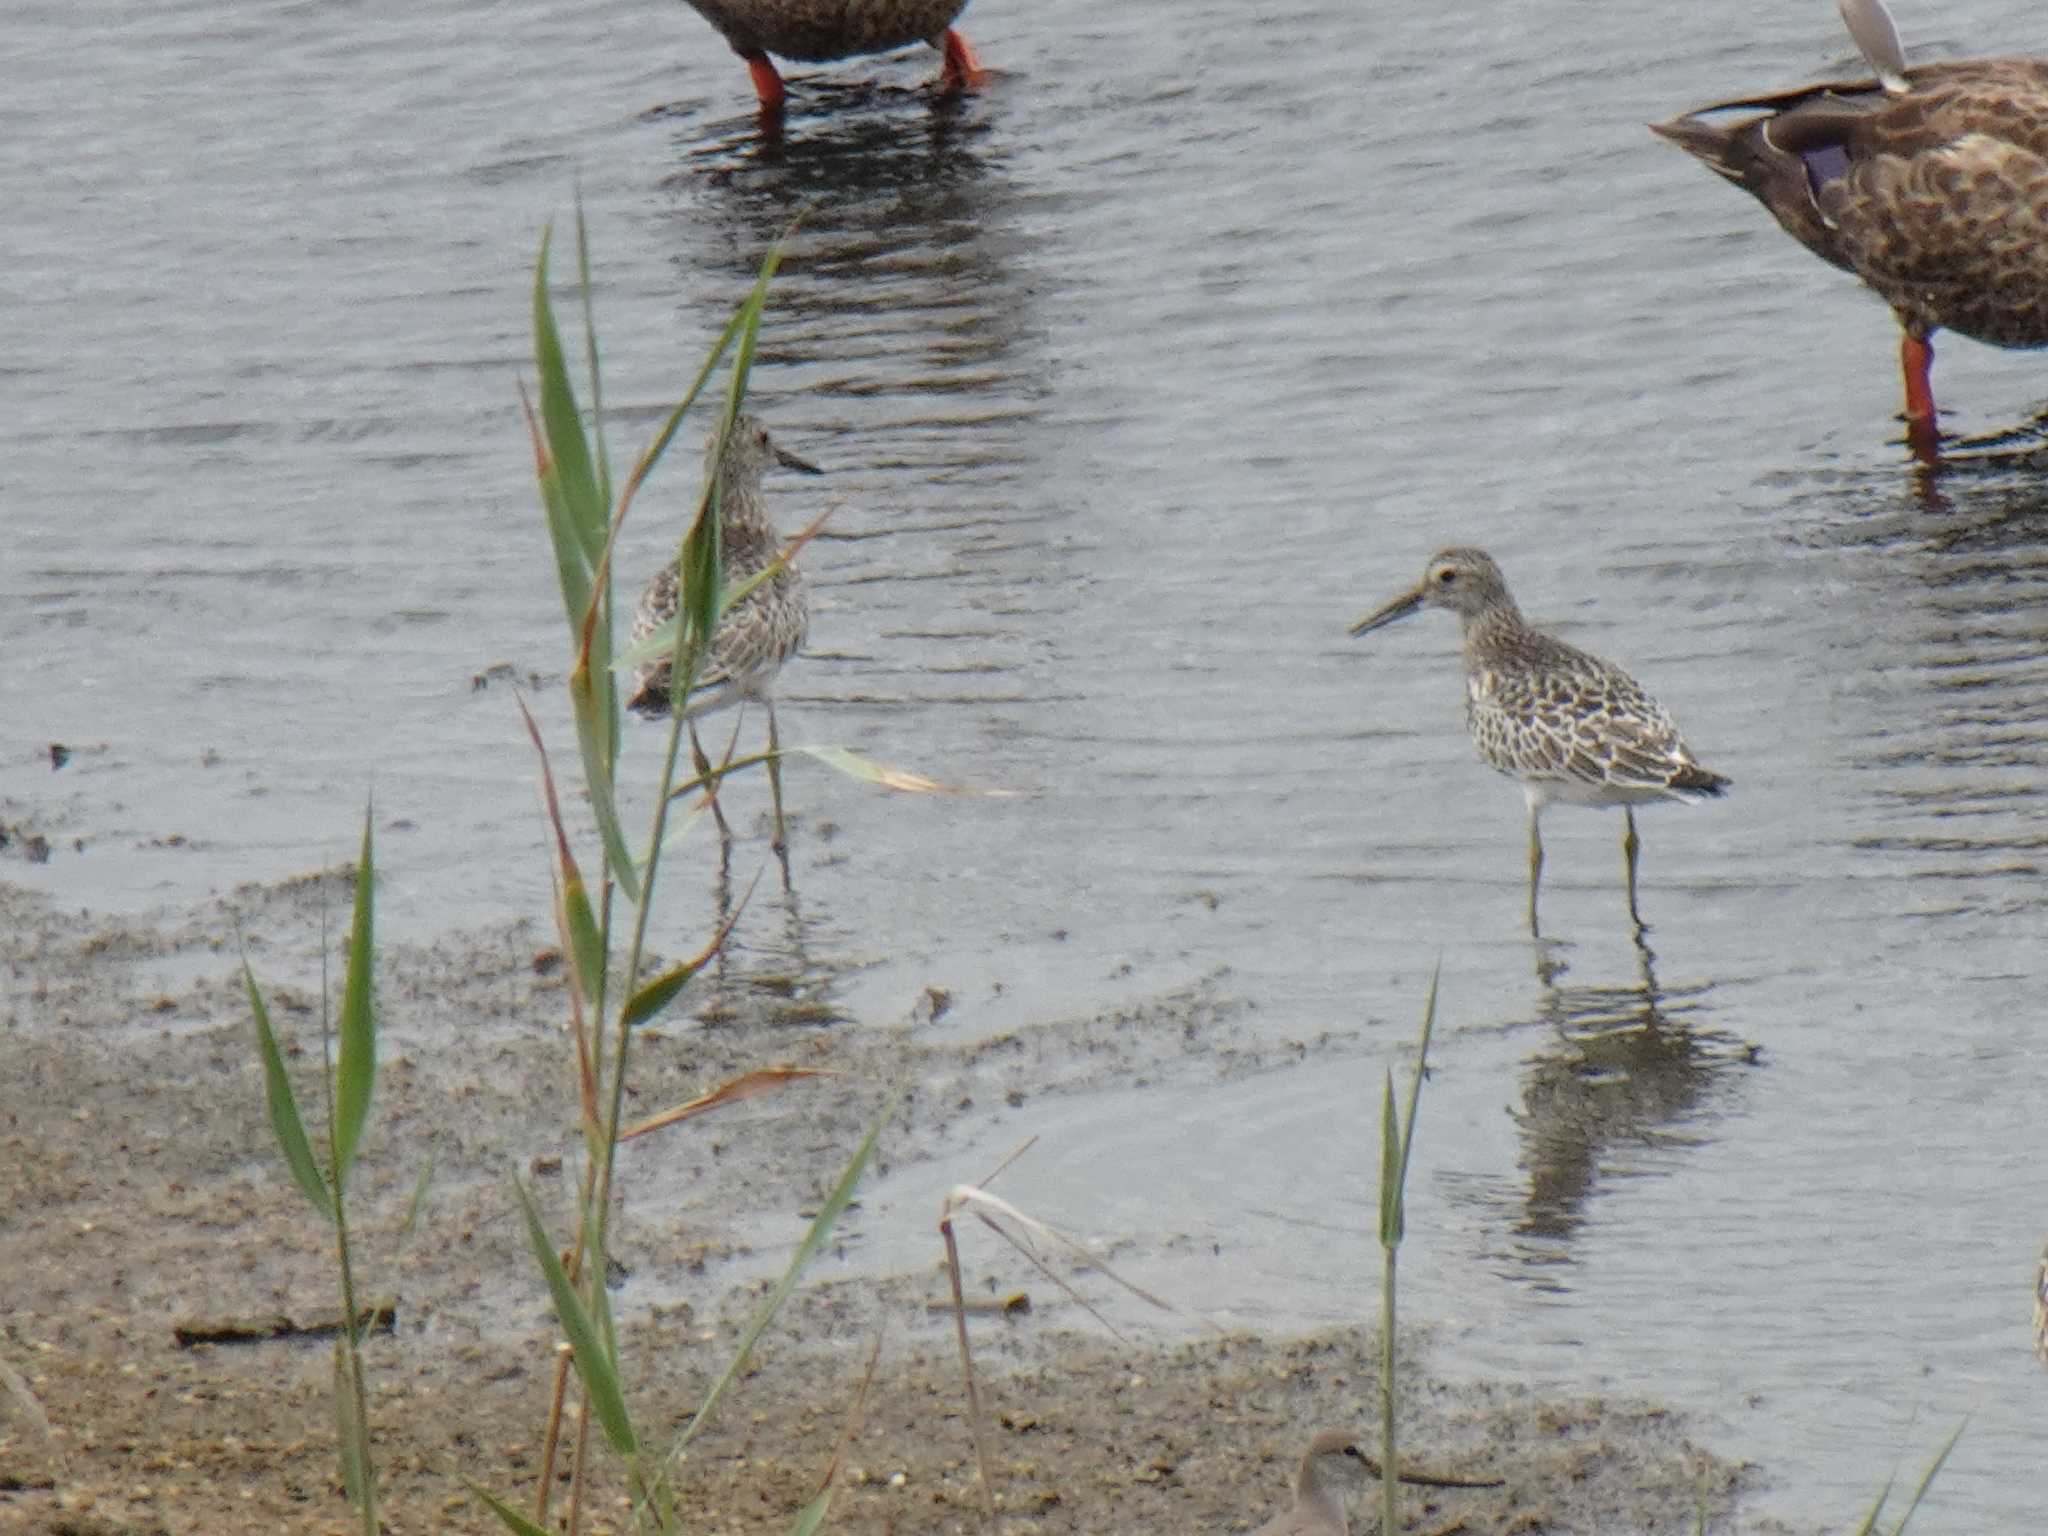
[[1631, 846], [703, 767], [781, 843], [1535, 862]]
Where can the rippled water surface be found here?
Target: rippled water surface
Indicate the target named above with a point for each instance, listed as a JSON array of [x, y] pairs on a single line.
[[1138, 378]]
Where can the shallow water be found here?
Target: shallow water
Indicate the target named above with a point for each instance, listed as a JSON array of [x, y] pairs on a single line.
[[1138, 377]]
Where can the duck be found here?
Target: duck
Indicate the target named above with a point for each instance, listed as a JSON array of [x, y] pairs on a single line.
[[820, 31], [1929, 182]]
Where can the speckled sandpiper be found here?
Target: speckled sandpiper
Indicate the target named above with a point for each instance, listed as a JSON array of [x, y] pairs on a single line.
[[1565, 724], [818, 31], [759, 632], [1332, 1472]]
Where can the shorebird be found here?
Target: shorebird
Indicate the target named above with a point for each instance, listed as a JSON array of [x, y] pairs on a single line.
[[1332, 1471], [2041, 1307], [1565, 724], [818, 31], [759, 632], [1930, 183]]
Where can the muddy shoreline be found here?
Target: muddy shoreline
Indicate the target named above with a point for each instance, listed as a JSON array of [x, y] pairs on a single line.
[[138, 1191]]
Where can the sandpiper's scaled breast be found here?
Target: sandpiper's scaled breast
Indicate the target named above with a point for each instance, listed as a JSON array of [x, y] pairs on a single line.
[[761, 631], [1562, 722]]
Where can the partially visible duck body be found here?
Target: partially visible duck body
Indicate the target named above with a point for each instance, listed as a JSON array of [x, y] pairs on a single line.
[[1930, 183], [819, 31]]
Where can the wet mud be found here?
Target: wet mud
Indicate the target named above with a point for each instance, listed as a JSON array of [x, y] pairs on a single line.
[[139, 1191]]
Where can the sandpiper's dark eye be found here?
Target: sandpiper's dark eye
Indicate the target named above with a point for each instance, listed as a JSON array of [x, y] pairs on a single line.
[[1352, 1450], [1446, 576]]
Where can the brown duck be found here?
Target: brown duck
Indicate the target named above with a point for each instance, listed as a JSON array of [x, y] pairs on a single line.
[[817, 31], [1930, 183]]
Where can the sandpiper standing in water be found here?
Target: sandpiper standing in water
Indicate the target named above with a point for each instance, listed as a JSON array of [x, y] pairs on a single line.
[[1567, 725], [818, 31], [759, 632]]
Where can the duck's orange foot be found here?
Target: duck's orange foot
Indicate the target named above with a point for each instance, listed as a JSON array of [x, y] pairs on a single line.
[[1923, 437], [963, 71], [767, 84]]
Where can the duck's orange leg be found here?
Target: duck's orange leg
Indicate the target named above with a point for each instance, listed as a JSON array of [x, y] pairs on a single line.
[[767, 83], [963, 71], [1923, 433]]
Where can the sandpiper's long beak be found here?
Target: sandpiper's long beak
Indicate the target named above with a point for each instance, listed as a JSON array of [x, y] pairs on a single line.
[[789, 460], [1399, 608]]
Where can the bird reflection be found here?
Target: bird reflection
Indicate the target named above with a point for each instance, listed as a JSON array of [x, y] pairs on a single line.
[[1628, 1066], [2020, 450], [783, 979], [853, 155], [897, 308]]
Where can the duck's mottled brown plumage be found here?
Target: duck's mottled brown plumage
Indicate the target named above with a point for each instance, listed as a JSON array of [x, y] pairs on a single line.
[[1937, 197], [817, 31], [1929, 183]]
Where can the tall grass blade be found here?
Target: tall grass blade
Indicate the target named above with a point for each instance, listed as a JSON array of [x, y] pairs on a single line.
[[821, 1229], [813, 1515], [418, 1202], [1390, 1168], [570, 573], [30, 1409], [659, 643], [701, 569], [667, 434], [600, 1380], [866, 769], [599, 1299], [285, 1123], [355, 1075], [581, 935], [349, 1428], [1869, 1521], [586, 941], [562, 421], [514, 1521], [700, 564], [1927, 1478], [748, 1085], [1396, 1142], [657, 994], [575, 495], [649, 999], [1421, 1071], [590, 359], [594, 702]]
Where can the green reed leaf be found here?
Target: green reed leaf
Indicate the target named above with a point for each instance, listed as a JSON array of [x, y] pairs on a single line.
[[355, 1076], [814, 1239], [600, 1380], [285, 1123]]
